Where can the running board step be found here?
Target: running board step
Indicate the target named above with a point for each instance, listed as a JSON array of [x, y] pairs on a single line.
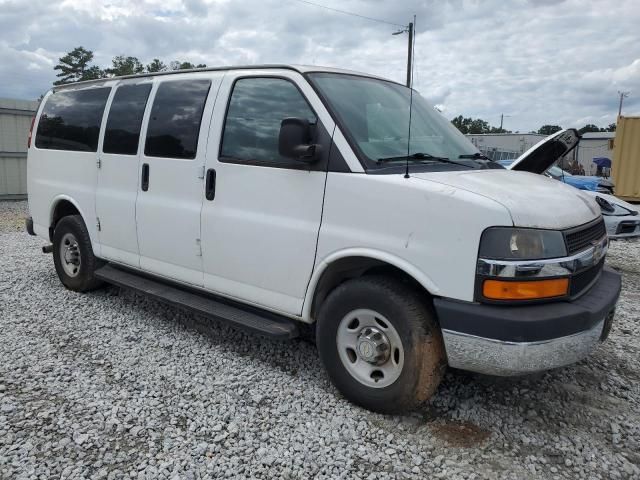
[[266, 324]]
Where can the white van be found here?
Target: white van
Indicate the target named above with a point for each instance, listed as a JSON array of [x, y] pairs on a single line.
[[278, 196]]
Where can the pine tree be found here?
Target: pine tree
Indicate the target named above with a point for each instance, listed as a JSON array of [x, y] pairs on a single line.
[[74, 66], [156, 66], [125, 66]]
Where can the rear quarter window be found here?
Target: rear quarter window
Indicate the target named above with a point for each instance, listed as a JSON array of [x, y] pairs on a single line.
[[70, 120]]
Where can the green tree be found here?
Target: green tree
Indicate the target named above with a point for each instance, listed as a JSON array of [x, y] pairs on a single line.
[[549, 129], [461, 123], [478, 125], [74, 66], [475, 125], [175, 65], [93, 72], [611, 127], [589, 127], [125, 66], [156, 65]]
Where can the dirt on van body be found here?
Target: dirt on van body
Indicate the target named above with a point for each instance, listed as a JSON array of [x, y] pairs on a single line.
[[114, 385]]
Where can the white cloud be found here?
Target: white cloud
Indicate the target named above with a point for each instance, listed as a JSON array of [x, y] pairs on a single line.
[[538, 61]]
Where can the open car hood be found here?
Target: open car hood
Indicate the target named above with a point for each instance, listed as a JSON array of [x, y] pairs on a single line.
[[547, 151]]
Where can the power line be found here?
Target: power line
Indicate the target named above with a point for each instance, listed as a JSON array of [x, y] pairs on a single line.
[[351, 13]]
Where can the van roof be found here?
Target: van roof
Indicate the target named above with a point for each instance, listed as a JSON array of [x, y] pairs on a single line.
[[297, 68]]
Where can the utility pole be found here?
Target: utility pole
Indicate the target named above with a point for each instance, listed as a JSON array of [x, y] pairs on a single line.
[[502, 116], [410, 30], [623, 95]]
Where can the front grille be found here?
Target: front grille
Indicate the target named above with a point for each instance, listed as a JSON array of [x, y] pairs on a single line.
[[581, 281], [579, 238]]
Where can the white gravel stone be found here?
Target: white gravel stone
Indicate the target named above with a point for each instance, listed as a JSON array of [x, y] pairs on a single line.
[[114, 385]]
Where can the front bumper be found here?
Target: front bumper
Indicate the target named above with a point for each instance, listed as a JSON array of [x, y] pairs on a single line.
[[625, 226], [515, 340]]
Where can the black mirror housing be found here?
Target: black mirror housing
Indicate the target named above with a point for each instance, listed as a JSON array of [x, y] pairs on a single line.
[[295, 139]]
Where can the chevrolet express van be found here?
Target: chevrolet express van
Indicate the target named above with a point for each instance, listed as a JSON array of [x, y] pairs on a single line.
[[281, 196]]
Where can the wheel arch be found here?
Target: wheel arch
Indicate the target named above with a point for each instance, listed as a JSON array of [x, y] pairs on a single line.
[[344, 265], [62, 206]]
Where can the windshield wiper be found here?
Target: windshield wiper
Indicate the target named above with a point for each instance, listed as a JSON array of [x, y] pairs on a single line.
[[420, 156], [475, 156]]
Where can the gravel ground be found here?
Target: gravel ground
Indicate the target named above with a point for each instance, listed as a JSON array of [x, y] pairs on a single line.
[[112, 385]]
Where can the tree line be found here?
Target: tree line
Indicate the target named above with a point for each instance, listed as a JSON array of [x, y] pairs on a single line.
[[468, 125], [76, 66]]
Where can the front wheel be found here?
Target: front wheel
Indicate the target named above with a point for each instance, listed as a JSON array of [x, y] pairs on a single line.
[[380, 344], [73, 256]]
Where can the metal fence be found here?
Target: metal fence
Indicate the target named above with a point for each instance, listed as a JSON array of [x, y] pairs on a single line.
[[497, 154], [15, 120]]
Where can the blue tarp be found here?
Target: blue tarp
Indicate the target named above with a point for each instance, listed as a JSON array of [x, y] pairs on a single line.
[[582, 182], [603, 162]]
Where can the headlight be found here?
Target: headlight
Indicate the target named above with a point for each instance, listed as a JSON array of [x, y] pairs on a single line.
[[506, 243], [605, 206], [610, 208]]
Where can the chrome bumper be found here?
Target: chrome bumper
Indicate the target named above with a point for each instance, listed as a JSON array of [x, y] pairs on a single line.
[[503, 358]]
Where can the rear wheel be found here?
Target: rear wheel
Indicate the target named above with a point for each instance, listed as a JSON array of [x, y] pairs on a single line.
[[73, 256], [380, 344]]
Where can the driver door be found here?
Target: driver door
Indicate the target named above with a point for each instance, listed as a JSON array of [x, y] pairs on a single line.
[[260, 228]]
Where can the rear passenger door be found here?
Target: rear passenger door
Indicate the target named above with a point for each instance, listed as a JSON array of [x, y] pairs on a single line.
[[117, 186], [171, 176]]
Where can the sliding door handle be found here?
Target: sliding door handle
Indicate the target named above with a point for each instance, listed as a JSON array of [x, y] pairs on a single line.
[[144, 182], [210, 185]]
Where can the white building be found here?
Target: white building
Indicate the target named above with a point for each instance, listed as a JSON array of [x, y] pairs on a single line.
[[15, 120], [593, 145], [503, 146]]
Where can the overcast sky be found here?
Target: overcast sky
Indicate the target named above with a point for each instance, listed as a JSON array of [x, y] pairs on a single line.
[[547, 61]]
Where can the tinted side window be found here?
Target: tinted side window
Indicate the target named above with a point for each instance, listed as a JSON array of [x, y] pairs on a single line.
[[71, 120], [256, 109], [125, 119], [174, 124]]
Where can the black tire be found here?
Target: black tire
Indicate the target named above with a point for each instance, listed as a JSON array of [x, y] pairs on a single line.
[[83, 279], [413, 318]]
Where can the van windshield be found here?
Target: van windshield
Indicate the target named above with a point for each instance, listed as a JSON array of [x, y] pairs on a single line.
[[375, 115]]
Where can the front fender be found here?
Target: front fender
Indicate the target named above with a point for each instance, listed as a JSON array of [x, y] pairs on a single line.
[[393, 260]]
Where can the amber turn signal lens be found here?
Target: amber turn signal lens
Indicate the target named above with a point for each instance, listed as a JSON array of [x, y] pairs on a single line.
[[527, 290]]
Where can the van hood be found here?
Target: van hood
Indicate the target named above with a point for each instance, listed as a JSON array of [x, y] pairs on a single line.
[[532, 200], [547, 151]]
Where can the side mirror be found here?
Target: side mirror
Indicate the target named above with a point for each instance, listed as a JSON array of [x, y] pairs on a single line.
[[294, 141]]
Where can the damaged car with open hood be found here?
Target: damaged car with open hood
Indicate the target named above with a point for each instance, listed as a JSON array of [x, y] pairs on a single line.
[[621, 218]]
